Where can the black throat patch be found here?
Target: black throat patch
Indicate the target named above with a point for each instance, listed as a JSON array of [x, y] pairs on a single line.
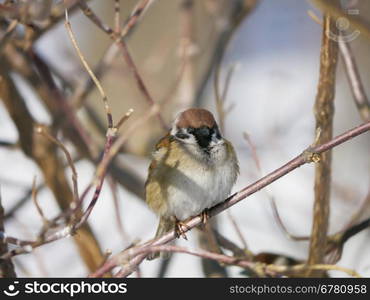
[[203, 135]]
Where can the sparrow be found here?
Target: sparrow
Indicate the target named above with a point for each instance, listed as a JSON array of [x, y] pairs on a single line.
[[193, 169]]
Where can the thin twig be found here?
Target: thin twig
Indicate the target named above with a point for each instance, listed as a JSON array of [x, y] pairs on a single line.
[[117, 211], [71, 129], [88, 69], [44, 154], [59, 107], [119, 41], [84, 88], [28, 193], [8, 33], [354, 229], [334, 10], [23, 200], [78, 222], [309, 268], [93, 17], [187, 50], [231, 246], [270, 197], [43, 131], [36, 203], [361, 210], [141, 85], [237, 230], [124, 119], [220, 96], [102, 167], [258, 268], [6, 266], [135, 17], [352, 73], [354, 79], [117, 16]]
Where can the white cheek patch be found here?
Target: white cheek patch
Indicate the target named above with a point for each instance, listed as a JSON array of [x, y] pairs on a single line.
[[216, 141], [190, 140], [174, 130]]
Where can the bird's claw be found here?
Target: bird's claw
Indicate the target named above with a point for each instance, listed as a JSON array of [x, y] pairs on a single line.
[[204, 216], [179, 231]]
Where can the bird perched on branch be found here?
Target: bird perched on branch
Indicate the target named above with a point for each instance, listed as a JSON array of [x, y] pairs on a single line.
[[193, 169]]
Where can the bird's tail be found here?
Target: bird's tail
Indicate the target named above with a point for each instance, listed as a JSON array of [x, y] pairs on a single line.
[[165, 225]]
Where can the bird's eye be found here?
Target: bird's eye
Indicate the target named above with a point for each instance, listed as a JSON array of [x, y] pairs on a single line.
[[182, 136], [190, 130]]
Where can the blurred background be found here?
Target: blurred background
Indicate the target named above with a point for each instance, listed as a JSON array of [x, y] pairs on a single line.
[[264, 53]]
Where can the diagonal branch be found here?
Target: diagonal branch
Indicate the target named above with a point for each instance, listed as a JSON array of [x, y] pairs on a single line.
[[334, 10], [352, 73], [132, 257], [119, 41], [88, 70], [6, 266], [354, 79], [44, 153]]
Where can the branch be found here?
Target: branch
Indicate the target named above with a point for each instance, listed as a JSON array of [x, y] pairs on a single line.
[[350, 232], [133, 257], [354, 79], [334, 10], [117, 16], [260, 269], [88, 70], [135, 17], [324, 113], [140, 83], [6, 266], [337, 241], [125, 53], [94, 18], [79, 220], [84, 88], [8, 33], [45, 221], [360, 212], [352, 73], [274, 208], [43, 131], [44, 153], [240, 9], [58, 107]]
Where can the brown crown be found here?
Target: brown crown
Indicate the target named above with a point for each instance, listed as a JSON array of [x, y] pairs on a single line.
[[196, 118]]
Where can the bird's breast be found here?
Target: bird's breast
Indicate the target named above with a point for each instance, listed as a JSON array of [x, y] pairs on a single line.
[[182, 185], [196, 186]]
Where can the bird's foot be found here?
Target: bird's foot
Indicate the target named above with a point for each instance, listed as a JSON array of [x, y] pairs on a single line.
[[204, 216], [179, 229]]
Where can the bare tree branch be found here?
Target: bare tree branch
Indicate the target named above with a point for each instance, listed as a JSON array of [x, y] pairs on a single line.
[[6, 266], [131, 258], [324, 113], [354, 79]]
